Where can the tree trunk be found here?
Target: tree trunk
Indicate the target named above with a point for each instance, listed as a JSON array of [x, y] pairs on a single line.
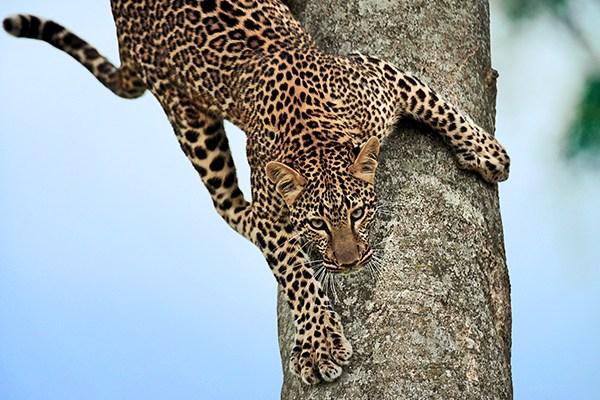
[[437, 323]]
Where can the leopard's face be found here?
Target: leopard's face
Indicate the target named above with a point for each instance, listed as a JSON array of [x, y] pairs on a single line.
[[331, 205], [333, 220]]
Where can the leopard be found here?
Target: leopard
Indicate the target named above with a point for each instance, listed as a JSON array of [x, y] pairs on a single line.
[[314, 124]]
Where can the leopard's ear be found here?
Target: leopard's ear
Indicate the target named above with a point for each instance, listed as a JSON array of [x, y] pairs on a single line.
[[289, 183], [366, 162]]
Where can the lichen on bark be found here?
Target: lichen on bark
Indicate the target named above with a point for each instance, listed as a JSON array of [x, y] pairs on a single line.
[[437, 323]]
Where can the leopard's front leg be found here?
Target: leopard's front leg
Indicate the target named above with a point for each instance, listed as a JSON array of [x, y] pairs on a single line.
[[402, 94], [475, 149], [320, 347]]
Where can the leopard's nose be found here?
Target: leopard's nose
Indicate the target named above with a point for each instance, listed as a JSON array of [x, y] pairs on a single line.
[[347, 256]]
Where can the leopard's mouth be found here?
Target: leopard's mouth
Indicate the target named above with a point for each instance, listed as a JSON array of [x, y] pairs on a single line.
[[349, 269]]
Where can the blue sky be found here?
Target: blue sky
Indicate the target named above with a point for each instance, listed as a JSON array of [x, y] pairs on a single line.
[[119, 281]]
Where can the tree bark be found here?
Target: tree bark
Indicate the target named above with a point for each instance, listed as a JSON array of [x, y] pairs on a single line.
[[437, 323]]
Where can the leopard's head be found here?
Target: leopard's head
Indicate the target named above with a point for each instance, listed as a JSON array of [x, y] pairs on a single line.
[[331, 200]]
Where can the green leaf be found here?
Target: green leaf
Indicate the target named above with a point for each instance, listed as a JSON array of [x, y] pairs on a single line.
[[521, 9], [583, 138]]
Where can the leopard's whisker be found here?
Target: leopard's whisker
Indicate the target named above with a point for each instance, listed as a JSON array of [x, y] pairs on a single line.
[[375, 267], [294, 237], [376, 245], [306, 263], [321, 271], [305, 245], [371, 271], [378, 264], [376, 257], [333, 287], [311, 262], [327, 282]]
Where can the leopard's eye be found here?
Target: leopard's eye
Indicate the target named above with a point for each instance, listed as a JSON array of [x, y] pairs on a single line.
[[358, 213], [317, 224]]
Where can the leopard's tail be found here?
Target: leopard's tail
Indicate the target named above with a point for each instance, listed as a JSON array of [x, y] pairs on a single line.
[[123, 81]]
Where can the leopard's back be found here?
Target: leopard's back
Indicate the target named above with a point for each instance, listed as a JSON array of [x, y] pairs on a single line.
[[204, 48]]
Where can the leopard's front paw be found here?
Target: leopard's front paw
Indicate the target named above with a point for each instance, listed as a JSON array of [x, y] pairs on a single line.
[[320, 348], [493, 165]]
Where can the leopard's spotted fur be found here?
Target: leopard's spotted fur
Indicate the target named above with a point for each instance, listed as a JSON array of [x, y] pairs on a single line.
[[314, 122]]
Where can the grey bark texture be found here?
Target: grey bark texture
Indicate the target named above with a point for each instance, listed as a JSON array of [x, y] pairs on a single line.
[[437, 323]]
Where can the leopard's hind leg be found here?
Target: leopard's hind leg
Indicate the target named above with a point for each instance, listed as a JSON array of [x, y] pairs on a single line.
[[123, 81], [202, 138]]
